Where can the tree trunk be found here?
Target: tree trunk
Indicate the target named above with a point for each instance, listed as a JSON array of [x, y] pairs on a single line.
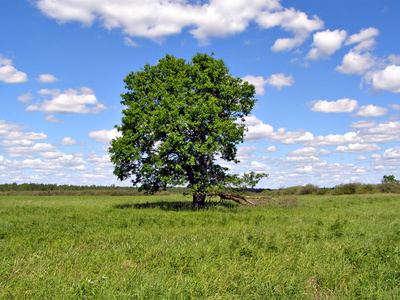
[[199, 200]]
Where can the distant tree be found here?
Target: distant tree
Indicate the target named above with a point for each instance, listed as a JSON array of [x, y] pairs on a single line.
[[179, 119], [389, 179]]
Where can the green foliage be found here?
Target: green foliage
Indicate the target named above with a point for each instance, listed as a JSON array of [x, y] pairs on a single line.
[[242, 183], [309, 189], [346, 189], [160, 247], [179, 117], [389, 179]]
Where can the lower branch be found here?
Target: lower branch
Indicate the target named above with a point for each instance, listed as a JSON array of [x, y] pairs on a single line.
[[234, 197]]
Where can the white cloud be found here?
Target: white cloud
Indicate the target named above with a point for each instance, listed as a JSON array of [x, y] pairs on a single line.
[[67, 141], [291, 20], [389, 159], [275, 80], [339, 106], [258, 81], [365, 39], [16, 143], [271, 149], [257, 129], [392, 153], [25, 98], [130, 43], [157, 19], [362, 124], [305, 169], [53, 119], [19, 135], [394, 106], [104, 136], [370, 111], [29, 151], [326, 43], [334, 139], [387, 79], [384, 132], [394, 59], [98, 161], [71, 101], [47, 78], [8, 73], [356, 63], [258, 167], [358, 148], [308, 151], [280, 80]]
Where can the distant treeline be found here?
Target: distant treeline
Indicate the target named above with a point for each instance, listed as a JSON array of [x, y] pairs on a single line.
[[55, 189]]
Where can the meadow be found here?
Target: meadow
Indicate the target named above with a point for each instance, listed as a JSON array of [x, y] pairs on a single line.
[[159, 247]]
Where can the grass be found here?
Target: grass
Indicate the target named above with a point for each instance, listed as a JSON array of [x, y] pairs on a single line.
[[158, 247]]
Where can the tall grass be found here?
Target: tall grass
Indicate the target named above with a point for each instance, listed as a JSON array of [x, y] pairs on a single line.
[[159, 247]]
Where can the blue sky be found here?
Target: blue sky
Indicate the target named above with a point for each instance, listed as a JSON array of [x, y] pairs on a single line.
[[327, 75]]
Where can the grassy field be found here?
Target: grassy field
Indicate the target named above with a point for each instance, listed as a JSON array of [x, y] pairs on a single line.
[[158, 247]]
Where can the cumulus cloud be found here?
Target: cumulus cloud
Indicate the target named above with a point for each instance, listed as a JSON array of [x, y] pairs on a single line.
[[53, 119], [356, 63], [370, 111], [275, 80], [362, 124], [29, 151], [394, 106], [99, 162], [365, 40], [82, 101], [290, 20], [47, 78], [308, 151], [387, 79], [157, 19], [104, 136], [25, 98], [271, 149], [339, 106], [280, 80], [258, 81], [326, 43], [20, 135], [358, 148], [257, 129], [8, 73], [258, 167], [390, 158], [67, 141], [367, 133]]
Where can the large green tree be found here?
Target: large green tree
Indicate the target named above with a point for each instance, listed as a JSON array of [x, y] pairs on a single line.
[[179, 118]]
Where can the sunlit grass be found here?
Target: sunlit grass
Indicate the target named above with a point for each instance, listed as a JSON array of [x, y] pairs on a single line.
[[158, 247]]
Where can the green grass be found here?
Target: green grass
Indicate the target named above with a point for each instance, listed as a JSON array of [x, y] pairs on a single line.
[[158, 247]]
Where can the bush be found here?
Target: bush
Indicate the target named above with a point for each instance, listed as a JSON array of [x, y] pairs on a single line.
[[389, 187], [367, 189], [308, 189], [346, 189]]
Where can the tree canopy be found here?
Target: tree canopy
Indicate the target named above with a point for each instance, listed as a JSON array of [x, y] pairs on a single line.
[[180, 119]]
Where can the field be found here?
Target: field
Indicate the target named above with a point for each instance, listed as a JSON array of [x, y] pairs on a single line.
[[158, 247]]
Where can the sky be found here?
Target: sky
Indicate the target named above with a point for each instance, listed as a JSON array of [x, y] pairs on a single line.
[[327, 77]]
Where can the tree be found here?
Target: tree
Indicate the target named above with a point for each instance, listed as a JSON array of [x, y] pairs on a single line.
[[180, 118], [389, 179]]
